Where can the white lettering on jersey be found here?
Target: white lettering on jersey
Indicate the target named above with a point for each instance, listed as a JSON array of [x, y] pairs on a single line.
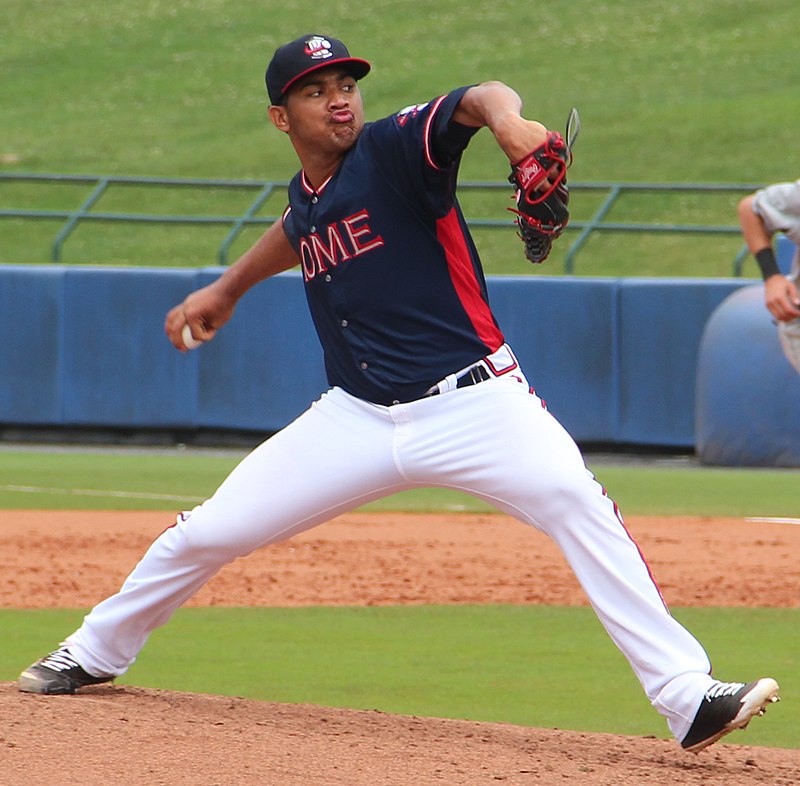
[[348, 238]]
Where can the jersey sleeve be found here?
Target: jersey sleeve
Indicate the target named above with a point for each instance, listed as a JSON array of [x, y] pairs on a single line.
[[287, 219], [445, 139], [778, 206], [420, 147]]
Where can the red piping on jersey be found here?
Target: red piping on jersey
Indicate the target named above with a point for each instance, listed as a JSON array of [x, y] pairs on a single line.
[[308, 187], [427, 135], [462, 274]]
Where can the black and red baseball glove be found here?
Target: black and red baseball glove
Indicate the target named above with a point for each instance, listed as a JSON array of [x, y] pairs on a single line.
[[541, 192]]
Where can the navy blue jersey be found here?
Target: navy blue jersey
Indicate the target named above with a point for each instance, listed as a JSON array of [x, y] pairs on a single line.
[[393, 280]]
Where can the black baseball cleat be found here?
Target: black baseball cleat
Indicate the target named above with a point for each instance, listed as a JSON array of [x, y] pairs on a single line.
[[727, 706], [57, 673]]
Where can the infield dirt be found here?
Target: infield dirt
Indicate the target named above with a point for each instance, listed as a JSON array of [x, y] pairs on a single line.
[[140, 737]]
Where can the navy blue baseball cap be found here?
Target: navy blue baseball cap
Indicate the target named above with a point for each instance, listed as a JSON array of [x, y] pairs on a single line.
[[304, 55]]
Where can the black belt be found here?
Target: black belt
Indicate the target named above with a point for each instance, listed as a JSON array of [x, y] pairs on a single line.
[[472, 376]]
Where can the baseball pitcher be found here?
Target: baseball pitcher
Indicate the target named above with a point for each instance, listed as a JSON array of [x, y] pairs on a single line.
[[424, 389]]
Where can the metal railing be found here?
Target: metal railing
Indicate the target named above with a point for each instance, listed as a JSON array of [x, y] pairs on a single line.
[[263, 190], [615, 190]]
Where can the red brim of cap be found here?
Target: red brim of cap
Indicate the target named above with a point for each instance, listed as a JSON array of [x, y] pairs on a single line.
[[357, 67]]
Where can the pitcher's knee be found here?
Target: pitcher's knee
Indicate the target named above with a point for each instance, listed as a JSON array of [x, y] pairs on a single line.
[[199, 539]]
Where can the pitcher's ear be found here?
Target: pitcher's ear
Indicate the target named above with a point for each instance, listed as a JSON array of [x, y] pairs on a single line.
[[279, 117]]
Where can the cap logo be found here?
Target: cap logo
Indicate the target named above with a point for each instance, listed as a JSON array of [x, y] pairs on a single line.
[[318, 48]]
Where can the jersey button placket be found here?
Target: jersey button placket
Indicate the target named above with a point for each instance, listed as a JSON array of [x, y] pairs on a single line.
[[311, 223]]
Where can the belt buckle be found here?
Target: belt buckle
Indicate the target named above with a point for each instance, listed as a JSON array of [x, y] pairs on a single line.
[[473, 375]]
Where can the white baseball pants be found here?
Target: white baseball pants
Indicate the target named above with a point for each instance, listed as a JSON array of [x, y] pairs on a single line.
[[494, 440]]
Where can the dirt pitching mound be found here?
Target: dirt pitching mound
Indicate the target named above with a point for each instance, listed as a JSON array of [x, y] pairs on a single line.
[[137, 737]]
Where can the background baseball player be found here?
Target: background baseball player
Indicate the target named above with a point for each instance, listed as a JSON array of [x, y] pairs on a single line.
[[424, 390], [776, 208]]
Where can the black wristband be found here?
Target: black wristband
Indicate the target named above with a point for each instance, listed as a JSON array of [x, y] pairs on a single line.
[[766, 261]]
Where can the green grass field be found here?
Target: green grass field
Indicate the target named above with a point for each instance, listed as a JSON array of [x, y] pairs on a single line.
[[675, 92], [121, 480], [518, 664], [552, 667]]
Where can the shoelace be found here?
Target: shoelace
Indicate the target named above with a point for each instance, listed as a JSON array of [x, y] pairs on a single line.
[[723, 689], [60, 660]]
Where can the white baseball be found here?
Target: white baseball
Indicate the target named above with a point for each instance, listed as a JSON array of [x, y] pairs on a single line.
[[188, 339]]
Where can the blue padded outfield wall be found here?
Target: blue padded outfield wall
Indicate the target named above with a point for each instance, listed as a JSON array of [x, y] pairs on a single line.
[[615, 359], [748, 394]]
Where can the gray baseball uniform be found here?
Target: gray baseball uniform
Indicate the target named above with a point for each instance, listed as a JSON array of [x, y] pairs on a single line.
[[778, 206]]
